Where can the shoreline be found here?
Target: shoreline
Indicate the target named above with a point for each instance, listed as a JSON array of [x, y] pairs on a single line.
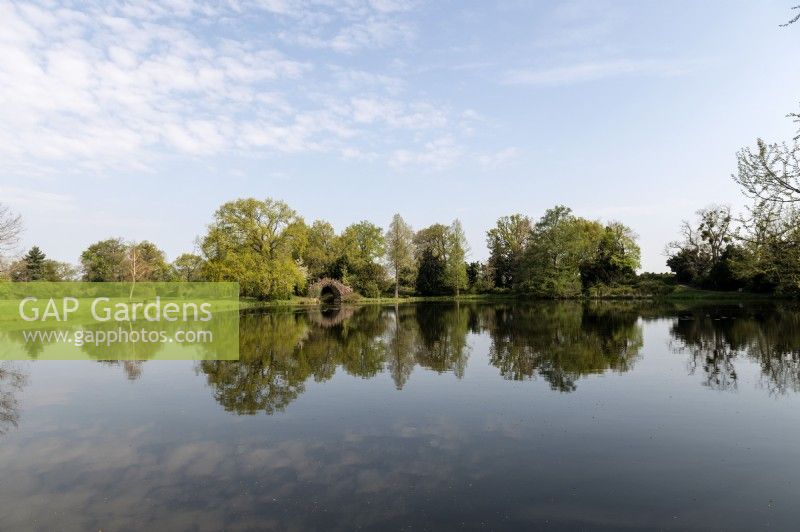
[[686, 294]]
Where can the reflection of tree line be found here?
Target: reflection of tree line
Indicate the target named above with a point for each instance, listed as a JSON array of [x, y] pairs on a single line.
[[562, 342], [558, 342], [279, 352], [11, 381], [133, 353], [715, 337]]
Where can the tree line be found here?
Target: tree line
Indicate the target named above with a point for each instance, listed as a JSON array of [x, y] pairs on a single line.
[[270, 250], [756, 250], [274, 254]]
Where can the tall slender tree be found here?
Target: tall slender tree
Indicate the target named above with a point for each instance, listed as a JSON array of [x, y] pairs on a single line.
[[399, 249], [457, 249]]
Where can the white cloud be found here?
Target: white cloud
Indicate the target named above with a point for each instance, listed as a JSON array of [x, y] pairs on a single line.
[[372, 33], [114, 86], [436, 155], [25, 198], [498, 158], [396, 114]]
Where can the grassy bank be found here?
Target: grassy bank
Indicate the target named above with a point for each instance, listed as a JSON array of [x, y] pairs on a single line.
[[680, 293]]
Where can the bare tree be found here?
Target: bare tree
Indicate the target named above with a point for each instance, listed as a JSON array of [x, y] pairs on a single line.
[[10, 228], [793, 19]]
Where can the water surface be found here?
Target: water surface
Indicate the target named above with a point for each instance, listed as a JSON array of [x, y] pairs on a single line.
[[558, 415]]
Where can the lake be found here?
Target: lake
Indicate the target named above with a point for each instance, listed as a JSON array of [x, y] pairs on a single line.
[[497, 416]]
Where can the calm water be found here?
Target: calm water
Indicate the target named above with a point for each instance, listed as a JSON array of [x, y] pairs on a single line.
[[604, 416]]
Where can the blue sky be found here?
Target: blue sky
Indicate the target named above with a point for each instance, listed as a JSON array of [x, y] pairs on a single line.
[[138, 119]]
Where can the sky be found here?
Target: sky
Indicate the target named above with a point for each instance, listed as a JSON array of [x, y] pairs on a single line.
[[139, 119]]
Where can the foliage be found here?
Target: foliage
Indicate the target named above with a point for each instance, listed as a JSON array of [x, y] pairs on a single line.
[[771, 173], [321, 251], [456, 271], [433, 239], [399, 250], [145, 262], [559, 245], [706, 254], [615, 260], [254, 242], [431, 255], [430, 274], [769, 258], [188, 267], [34, 264], [362, 245], [104, 261], [507, 242], [440, 252]]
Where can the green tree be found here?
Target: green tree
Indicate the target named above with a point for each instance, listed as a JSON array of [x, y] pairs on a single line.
[[430, 245], [430, 274], [188, 267], [769, 257], [104, 261], [560, 245], [114, 260], [702, 246], [457, 248], [321, 251], [362, 245], [507, 242], [616, 259], [56, 271], [266, 237], [399, 249], [144, 261], [34, 264], [474, 272], [254, 242]]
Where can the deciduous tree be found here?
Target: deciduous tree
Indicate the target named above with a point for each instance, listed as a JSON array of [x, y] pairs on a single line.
[[10, 229], [399, 249], [104, 261], [457, 248], [254, 242], [362, 246], [188, 267], [507, 242]]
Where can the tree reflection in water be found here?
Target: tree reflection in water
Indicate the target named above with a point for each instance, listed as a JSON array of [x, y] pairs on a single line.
[[280, 351], [716, 336], [11, 381], [562, 342]]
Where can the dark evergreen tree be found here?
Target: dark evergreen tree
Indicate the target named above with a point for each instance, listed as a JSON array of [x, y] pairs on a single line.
[[34, 264], [431, 274]]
